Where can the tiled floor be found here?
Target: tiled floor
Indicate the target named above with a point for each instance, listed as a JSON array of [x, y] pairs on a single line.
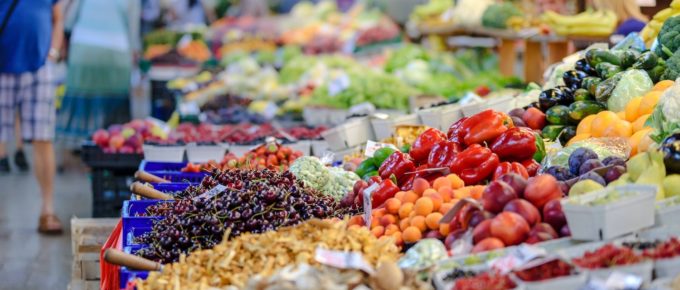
[[29, 260]]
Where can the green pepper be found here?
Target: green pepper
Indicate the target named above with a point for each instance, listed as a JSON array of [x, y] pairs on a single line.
[[557, 115], [370, 174], [656, 72], [581, 109], [646, 61], [551, 132], [366, 166], [381, 154], [583, 95], [607, 70], [566, 134], [540, 148], [597, 55], [590, 84], [628, 57]]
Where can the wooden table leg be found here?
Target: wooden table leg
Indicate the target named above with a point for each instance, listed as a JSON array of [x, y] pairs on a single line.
[[507, 57], [557, 51], [533, 62]]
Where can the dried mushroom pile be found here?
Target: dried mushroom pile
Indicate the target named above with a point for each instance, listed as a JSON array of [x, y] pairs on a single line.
[[231, 263]]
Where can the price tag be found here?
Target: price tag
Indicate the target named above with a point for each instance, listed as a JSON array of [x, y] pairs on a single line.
[[343, 260], [368, 205], [270, 110], [372, 146], [189, 108], [212, 192], [184, 41], [517, 257], [338, 84]]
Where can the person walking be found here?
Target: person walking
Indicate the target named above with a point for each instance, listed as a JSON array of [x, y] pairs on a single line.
[[31, 33]]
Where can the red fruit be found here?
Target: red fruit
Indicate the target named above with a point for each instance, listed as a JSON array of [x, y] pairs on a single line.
[[496, 195], [544, 228], [534, 118], [481, 231], [565, 231], [452, 237], [524, 208], [542, 189], [116, 141], [517, 182], [553, 214], [488, 244], [101, 138], [359, 186], [510, 228], [478, 217]]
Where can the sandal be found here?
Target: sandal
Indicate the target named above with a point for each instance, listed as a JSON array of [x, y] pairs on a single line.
[[50, 225]]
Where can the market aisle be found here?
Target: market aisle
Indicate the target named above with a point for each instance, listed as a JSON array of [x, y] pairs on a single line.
[[29, 260]]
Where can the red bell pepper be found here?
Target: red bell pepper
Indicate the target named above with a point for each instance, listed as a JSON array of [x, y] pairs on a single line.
[[510, 167], [456, 132], [475, 164], [515, 144], [443, 153], [532, 166], [485, 126], [398, 163], [386, 190], [423, 144]]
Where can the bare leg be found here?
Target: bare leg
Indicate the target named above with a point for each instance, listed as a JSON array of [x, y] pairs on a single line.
[[3, 150], [17, 133], [45, 167]]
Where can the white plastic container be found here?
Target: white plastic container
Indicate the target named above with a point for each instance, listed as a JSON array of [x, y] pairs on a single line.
[[667, 268], [353, 132], [319, 147], [501, 104], [617, 218], [240, 150], [304, 146], [163, 153], [340, 154], [315, 116], [572, 282], [440, 117], [383, 128], [204, 153], [667, 213], [642, 270]]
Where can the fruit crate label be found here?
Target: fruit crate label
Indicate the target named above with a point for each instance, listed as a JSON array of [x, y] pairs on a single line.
[[212, 192], [343, 260], [368, 206], [372, 146]]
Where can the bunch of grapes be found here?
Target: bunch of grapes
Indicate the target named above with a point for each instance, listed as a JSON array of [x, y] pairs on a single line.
[[254, 201]]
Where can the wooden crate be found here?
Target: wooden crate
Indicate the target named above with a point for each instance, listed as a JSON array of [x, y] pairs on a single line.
[[87, 238], [83, 285]]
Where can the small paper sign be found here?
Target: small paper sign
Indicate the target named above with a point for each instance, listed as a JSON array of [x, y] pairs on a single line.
[[212, 192], [343, 260], [338, 84], [189, 108], [516, 258], [368, 205], [372, 146]]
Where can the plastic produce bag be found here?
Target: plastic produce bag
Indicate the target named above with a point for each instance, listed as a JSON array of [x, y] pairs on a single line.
[[604, 147], [424, 254], [631, 41], [633, 83]]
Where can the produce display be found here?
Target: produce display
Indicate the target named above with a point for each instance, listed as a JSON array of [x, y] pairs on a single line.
[[607, 256], [271, 156], [235, 261], [127, 138], [549, 270], [235, 202], [485, 281]]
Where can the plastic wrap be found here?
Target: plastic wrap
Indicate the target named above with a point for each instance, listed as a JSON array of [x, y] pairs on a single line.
[[423, 255], [604, 147], [633, 83]]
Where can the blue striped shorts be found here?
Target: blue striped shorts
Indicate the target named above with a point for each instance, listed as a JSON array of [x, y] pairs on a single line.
[[31, 95]]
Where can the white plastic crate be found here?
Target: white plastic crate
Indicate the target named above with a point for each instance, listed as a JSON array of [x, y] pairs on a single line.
[[667, 268], [303, 146], [642, 270], [667, 213], [440, 117], [319, 147], [353, 132], [501, 104], [617, 218], [383, 128], [163, 153], [240, 150], [575, 281], [340, 154], [204, 153]]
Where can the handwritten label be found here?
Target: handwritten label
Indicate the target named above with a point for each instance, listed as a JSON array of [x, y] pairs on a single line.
[[343, 260], [372, 146], [212, 192], [338, 84], [368, 205]]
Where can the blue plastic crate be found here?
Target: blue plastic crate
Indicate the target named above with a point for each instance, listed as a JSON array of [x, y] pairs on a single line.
[[161, 166], [128, 274], [170, 188], [172, 171], [134, 225]]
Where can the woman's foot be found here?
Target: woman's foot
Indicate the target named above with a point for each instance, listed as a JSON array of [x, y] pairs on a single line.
[[20, 160], [50, 225], [4, 165]]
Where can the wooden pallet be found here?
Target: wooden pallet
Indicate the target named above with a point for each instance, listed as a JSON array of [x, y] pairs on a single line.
[[88, 235]]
